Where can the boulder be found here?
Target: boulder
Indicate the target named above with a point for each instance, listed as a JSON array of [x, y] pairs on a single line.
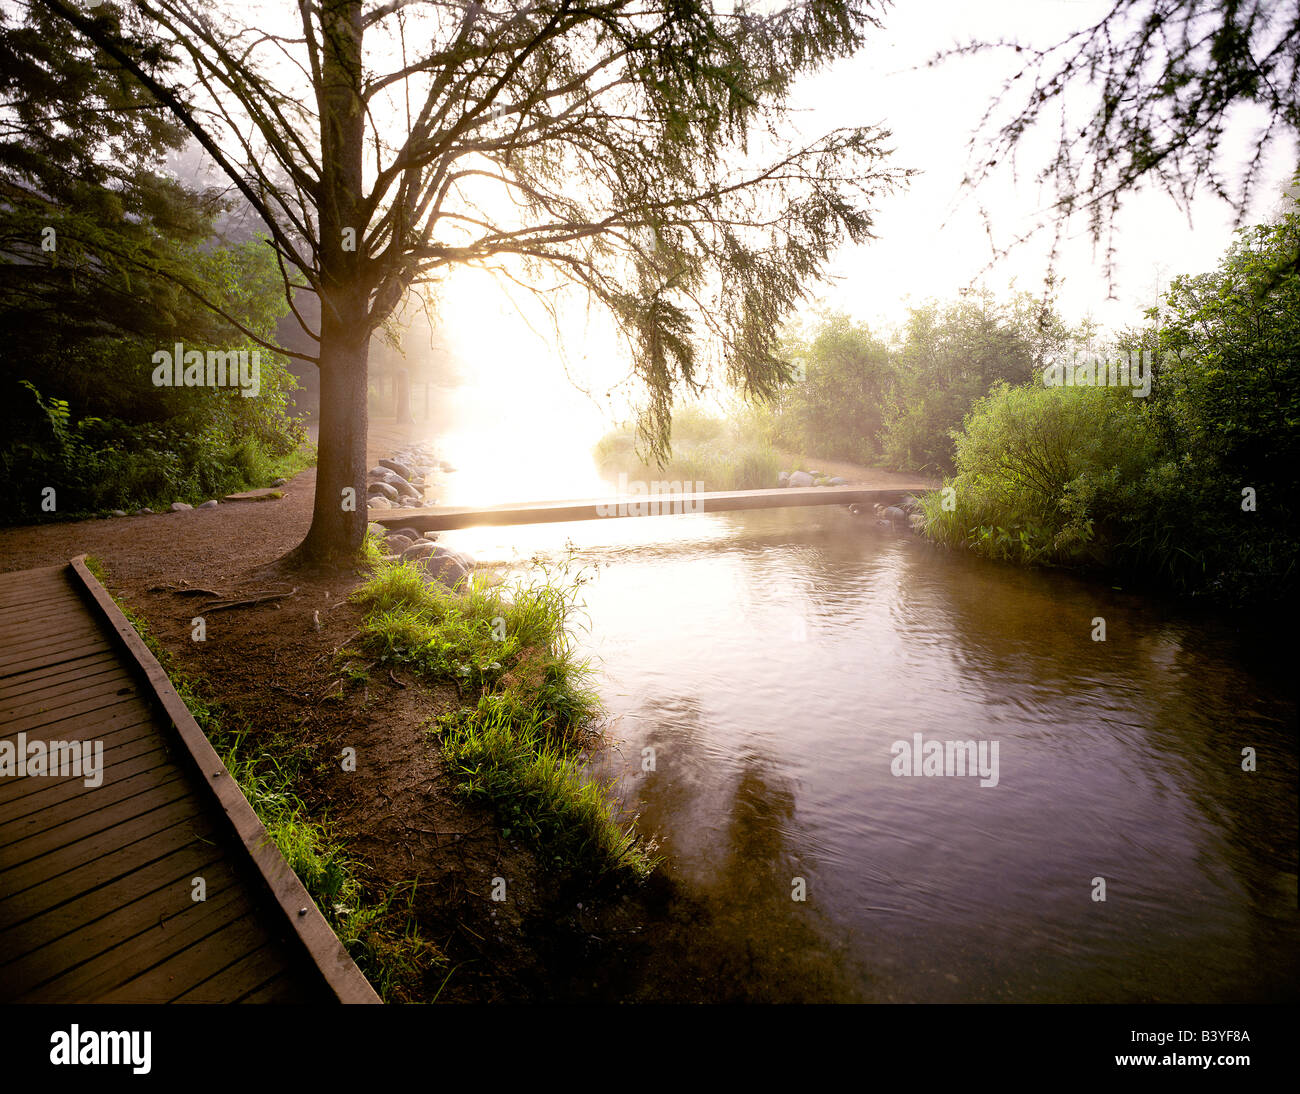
[[838, 480], [180, 507], [417, 550], [397, 544], [279, 482], [376, 501], [210, 504], [783, 479], [145, 512], [373, 529], [446, 569], [382, 489], [119, 512], [400, 469], [800, 478], [413, 535]]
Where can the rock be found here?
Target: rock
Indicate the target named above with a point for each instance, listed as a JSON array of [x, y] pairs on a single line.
[[210, 504], [402, 486], [373, 529], [397, 468], [419, 549], [890, 513], [917, 521], [279, 482], [146, 512], [783, 479], [800, 478], [376, 501], [382, 489], [381, 473], [837, 481], [459, 556], [398, 544], [180, 507], [446, 569], [119, 512], [413, 535]]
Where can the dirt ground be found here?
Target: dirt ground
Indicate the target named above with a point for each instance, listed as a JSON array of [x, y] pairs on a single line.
[[277, 665]]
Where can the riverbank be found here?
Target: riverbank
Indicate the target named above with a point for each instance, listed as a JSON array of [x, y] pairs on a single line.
[[355, 739]]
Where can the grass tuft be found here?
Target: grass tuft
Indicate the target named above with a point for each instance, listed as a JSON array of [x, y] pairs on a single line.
[[517, 743]]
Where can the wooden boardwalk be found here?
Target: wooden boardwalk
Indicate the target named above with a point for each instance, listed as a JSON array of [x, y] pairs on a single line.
[[97, 881], [446, 518]]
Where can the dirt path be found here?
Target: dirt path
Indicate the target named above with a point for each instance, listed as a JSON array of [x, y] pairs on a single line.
[[874, 478], [197, 546]]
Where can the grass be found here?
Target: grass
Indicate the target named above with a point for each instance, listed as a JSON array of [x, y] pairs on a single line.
[[379, 931], [527, 709]]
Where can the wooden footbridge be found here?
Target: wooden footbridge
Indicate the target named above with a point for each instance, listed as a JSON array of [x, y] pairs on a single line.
[[443, 519], [102, 861]]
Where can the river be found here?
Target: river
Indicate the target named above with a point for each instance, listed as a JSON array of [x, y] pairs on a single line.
[[774, 663]]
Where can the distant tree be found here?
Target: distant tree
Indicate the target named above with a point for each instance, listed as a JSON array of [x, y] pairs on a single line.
[[1145, 95], [104, 259], [951, 356], [636, 151], [837, 410]]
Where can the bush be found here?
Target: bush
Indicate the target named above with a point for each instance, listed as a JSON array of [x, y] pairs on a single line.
[[1047, 474]]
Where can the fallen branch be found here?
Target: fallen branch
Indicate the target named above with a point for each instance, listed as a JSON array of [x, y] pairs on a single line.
[[226, 605]]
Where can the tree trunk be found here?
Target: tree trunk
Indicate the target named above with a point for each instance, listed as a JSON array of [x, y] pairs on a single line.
[[338, 520], [403, 408], [338, 524]]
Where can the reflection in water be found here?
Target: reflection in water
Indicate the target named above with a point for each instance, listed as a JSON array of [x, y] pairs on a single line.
[[771, 659]]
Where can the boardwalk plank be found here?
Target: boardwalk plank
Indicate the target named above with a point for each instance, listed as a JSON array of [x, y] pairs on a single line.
[[191, 834], [199, 961], [132, 810], [123, 736], [237, 980], [81, 806], [95, 882], [117, 947], [134, 832], [119, 764], [73, 719], [70, 695], [43, 681], [161, 881]]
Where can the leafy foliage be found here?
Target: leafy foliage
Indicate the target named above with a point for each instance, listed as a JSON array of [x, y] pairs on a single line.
[[103, 261], [1193, 487]]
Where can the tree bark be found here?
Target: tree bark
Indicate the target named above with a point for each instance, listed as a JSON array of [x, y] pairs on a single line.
[[338, 521], [338, 525]]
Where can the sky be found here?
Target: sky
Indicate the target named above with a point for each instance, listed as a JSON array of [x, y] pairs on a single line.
[[931, 243], [932, 239]]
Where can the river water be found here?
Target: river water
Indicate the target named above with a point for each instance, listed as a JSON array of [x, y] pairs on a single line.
[[775, 662]]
